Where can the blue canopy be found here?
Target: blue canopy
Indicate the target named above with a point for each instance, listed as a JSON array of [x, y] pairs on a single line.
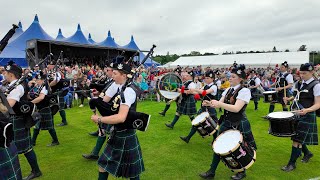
[[109, 42], [90, 39], [16, 49], [17, 33], [77, 37], [132, 45], [60, 36]]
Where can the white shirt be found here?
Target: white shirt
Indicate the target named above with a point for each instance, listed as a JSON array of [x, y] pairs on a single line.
[[316, 88], [112, 90], [57, 76], [257, 81], [214, 88], [16, 93], [44, 90], [289, 77], [244, 94], [218, 83], [129, 94], [192, 85]]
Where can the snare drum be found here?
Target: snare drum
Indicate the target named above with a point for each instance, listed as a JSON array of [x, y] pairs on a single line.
[[205, 125], [270, 96], [282, 124], [233, 151]]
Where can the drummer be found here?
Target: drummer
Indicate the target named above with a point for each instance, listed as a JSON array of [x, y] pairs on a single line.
[[254, 83], [187, 104], [234, 101], [307, 133], [283, 82], [208, 93]]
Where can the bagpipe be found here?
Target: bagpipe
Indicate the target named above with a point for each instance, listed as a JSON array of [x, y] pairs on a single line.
[[4, 41], [6, 128], [134, 120]]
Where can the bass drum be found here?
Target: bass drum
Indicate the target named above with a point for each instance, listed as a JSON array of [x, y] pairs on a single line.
[[168, 85]]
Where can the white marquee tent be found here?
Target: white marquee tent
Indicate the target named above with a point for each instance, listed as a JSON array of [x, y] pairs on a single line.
[[294, 59]]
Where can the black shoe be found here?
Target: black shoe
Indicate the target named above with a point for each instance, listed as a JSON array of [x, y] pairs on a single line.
[[185, 139], [288, 167], [307, 157], [33, 175], [94, 133], [62, 124], [53, 144], [238, 176], [90, 156], [162, 113], [169, 126], [207, 175]]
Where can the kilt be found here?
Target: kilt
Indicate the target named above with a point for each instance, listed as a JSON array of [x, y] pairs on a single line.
[[61, 101], [307, 132], [22, 136], [122, 157], [9, 163], [255, 94], [46, 121], [245, 129], [187, 106]]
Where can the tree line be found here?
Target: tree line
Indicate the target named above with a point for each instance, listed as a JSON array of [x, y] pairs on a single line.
[[163, 59]]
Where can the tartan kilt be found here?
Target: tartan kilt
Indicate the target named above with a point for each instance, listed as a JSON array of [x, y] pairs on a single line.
[[122, 157], [46, 121], [22, 136], [255, 94], [307, 132], [9, 163], [245, 129], [61, 101], [187, 106]]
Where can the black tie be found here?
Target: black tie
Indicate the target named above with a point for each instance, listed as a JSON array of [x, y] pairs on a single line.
[[304, 85], [231, 91]]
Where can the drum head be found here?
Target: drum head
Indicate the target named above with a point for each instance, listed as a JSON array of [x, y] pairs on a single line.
[[200, 118], [168, 85], [280, 115], [269, 92], [227, 141]]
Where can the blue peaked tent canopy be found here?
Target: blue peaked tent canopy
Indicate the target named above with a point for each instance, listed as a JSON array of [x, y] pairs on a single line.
[[17, 33], [16, 49], [60, 36], [132, 45], [90, 39], [109, 42], [77, 37]]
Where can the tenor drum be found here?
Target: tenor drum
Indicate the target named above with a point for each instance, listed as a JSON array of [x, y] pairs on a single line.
[[234, 152], [270, 96], [205, 125], [168, 85], [282, 124]]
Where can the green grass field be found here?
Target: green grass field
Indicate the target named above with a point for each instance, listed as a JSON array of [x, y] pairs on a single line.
[[165, 155]]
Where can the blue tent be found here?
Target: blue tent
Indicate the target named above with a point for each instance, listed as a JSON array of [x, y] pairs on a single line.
[[77, 37], [16, 49], [18, 32], [90, 39], [109, 42], [132, 45], [60, 36]]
